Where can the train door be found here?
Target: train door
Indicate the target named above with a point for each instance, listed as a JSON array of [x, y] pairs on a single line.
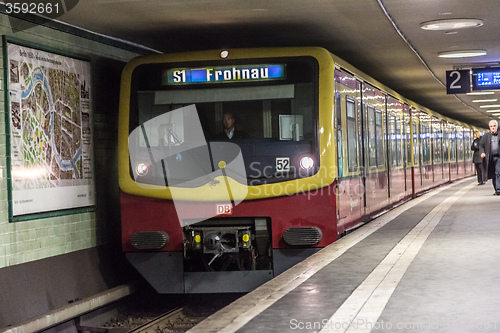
[[395, 113], [437, 144], [460, 152], [446, 152], [415, 157], [349, 186], [468, 138], [376, 179], [453, 153], [425, 143], [407, 150]]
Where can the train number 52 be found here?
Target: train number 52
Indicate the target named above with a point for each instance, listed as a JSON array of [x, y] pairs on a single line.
[[282, 164]]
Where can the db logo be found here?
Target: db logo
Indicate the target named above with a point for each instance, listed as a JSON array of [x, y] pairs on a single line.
[[224, 209]]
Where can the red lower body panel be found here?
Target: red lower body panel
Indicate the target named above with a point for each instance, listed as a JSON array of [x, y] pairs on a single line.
[[311, 209]]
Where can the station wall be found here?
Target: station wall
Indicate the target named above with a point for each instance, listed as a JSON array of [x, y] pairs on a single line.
[[49, 261], [39, 238]]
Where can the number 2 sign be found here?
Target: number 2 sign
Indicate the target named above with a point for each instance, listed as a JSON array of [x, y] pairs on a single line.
[[458, 81]]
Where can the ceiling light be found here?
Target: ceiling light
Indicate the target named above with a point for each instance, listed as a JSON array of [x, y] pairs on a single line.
[[451, 24], [481, 93], [490, 106], [461, 53], [484, 100]]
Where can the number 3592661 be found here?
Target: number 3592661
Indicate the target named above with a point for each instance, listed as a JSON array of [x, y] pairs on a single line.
[[32, 8]]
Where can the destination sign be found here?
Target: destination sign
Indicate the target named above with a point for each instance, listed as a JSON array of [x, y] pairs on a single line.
[[486, 78], [245, 73]]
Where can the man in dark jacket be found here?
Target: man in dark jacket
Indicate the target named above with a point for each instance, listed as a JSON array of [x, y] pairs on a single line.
[[229, 132], [489, 148], [477, 159]]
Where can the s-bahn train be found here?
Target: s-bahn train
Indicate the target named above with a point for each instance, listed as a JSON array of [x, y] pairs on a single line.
[[318, 149]]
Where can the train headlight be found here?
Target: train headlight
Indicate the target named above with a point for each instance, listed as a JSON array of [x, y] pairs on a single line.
[[245, 239], [306, 162], [142, 169], [197, 240]]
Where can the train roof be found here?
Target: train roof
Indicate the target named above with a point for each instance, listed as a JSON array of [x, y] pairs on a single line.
[[383, 38]]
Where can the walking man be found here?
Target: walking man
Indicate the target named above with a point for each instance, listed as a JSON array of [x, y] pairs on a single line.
[[489, 149]]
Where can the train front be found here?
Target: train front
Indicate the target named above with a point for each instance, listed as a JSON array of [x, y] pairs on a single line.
[[226, 166]]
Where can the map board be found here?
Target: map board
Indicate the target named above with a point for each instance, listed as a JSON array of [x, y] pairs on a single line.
[[50, 131]]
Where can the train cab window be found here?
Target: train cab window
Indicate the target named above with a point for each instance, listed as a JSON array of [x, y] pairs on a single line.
[[352, 137], [272, 121]]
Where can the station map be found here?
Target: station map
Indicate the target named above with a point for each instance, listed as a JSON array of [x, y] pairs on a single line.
[[50, 126]]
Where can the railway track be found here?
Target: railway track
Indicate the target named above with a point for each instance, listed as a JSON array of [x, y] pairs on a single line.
[[166, 316], [172, 322]]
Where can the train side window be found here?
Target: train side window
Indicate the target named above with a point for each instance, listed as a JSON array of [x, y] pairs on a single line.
[[467, 143], [352, 137], [438, 144], [372, 138], [340, 153], [394, 135], [407, 136], [453, 146], [416, 150], [391, 135], [446, 144], [375, 138], [425, 140], [379, 135], [397, 139], [460, 145]]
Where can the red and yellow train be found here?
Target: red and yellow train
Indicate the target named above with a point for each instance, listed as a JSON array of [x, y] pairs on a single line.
[[325, 148]]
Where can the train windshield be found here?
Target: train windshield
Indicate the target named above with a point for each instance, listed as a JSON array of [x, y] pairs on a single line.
[[265, 112]]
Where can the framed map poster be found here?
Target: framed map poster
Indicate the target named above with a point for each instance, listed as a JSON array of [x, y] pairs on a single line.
[[50, 109]]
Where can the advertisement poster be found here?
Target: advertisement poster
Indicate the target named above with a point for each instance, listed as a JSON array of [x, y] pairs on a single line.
[[51, 135]]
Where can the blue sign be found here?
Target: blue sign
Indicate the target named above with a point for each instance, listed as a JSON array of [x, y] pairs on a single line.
[[246, 73], [486, 78]]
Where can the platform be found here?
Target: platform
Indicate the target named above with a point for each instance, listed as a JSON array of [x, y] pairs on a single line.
[[429, 265]]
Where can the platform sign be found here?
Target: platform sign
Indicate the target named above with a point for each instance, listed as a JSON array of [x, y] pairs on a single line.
[[458, 81], [51, 153], [486, 78]]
